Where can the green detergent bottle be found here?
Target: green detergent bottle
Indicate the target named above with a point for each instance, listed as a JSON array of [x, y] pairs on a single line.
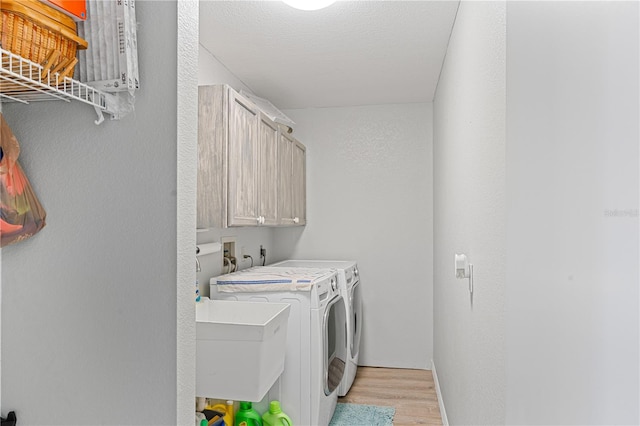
[[275, 416], [247, 416]]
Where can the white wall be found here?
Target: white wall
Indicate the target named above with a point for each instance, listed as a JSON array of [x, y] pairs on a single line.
[[212, 71], [89, 304], [369, 198], [469, 216], [572, 157], [187, 173], [248, 238], [548, 218], [1, 318]]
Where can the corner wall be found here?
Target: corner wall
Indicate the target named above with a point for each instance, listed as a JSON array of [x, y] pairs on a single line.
[[212, 71], [89, 303], [187, 172], [572, 157], [1, 413], [550, 212], [469, 216]]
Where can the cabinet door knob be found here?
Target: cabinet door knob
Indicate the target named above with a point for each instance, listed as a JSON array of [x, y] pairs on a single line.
[[258, 219], [296, 220]]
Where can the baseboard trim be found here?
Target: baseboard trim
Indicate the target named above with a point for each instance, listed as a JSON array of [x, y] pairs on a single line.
[[443, 412]]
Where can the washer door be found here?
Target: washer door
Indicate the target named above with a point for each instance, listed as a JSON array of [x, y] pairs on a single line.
[[334, 331], [356, 319]]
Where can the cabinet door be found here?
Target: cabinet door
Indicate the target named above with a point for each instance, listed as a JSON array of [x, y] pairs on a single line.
[[268, 178], [243, 153], [212, 127], [299, 181], [285, 176]]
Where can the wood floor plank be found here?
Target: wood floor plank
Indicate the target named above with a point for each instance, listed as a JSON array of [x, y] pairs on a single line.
[[411, 392]]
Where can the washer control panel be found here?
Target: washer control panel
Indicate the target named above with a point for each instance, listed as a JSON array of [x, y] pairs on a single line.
[[326, 288]]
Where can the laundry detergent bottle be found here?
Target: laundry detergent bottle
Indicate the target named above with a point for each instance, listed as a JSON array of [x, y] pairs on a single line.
[[275, 416], [247, 416], [227, 410]]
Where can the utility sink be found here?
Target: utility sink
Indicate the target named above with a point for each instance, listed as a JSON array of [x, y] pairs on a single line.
[[240, 348]]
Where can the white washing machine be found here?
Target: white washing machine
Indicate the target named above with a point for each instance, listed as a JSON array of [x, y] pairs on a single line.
[[316, 335], [349, 284]]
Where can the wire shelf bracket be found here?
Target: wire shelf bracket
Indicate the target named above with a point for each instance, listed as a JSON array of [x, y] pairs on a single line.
[[24, 81]]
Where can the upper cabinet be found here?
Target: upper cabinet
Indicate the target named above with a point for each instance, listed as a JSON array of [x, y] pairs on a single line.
[[268, 167], [292, 188], [213, 123], [298, 182], [243, 154], [243, 165]]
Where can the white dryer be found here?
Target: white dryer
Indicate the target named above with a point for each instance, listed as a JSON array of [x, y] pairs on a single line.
[[349, 284], [316, 335]]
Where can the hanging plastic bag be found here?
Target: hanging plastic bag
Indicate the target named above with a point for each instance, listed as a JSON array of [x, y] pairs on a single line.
[[21, 214]]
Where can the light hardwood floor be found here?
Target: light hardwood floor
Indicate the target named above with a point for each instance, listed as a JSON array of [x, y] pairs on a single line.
[[411, 392]]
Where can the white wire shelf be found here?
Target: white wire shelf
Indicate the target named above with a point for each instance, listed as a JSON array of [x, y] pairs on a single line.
[[23, 81]]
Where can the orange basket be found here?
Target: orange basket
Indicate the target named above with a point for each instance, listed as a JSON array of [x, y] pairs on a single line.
[[41, 34]]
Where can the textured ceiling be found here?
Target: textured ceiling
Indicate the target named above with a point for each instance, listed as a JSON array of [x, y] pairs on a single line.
[[351, 53]]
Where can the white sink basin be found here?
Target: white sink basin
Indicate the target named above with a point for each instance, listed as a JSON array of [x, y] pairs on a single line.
[[240, 348]]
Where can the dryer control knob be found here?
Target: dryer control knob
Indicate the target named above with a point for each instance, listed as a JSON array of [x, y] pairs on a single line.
[[334, 284], [355, 271]]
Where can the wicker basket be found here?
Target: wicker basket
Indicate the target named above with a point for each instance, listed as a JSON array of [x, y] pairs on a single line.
[[40, 34]]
